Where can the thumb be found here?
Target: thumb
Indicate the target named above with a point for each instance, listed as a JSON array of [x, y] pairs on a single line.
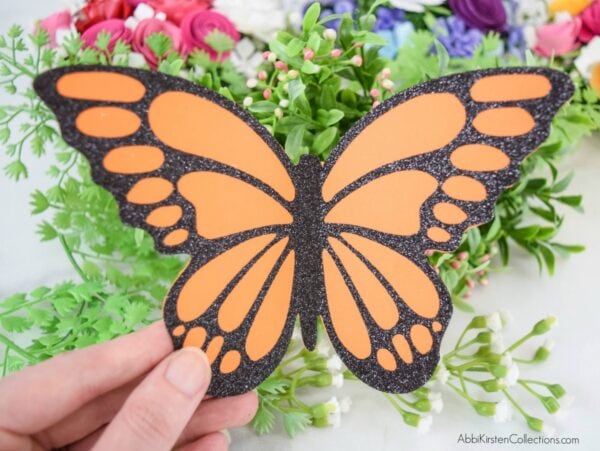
[[158, 410]]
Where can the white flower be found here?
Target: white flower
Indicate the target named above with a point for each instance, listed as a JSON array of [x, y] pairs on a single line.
[[443, 374], [334, 412], [512, 376], [338, 380], [324, 348], [417, 6], [246, 58], [503, 412], [248, 101], [531, 12], [548, 430], [437, 405], [73, 6], [334, 364], [424, 424], [588, 58], [497, 343], [345, 404], [143, 12], [259, 18], [494, 322], [506, 359]]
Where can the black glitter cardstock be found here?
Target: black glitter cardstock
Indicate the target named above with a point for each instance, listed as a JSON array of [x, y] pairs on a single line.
[[309, 235]]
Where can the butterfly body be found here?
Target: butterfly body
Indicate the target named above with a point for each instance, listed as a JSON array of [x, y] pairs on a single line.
[[342, 242], [307, 238]]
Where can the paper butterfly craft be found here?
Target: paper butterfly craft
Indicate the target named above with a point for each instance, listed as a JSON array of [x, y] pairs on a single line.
[[270, 241]]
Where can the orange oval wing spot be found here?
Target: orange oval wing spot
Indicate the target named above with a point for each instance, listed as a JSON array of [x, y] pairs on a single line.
[[238, 303], [346, 319], [107, 122], [409, 281], [134, 159], [230, 362], [225, 205], [272, 315], [200, 127], [465, 188], [479, 157], [150, 191], [178, 331], [504, 122], [436, 326], [510, 87], [421, 338], [195, 337], [389, 204], [206, 284], [386, 359], [100, 86], [449, 213], [213, 348], [176, 237], [423, 124], [402, 348], [378, 301], [165, 216], [438, 234]]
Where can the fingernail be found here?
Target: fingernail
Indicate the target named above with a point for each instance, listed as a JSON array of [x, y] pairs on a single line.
[[227, 435], [188, 371]]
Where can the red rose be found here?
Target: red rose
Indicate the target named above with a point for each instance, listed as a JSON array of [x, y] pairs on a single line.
[[96, 11], [590, 19], [148, 27], [176, 10], [197, 25], [116, 28]]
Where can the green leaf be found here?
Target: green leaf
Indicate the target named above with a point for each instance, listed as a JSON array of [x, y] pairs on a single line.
[[15, 324], [324, 140], [39, 203], [311, 17], [294, 47], [264, 420], [220, 42], [160, 44], [310, 68], [294, 422], [15, 170], [46, 231], [103, 40], [294, 142]]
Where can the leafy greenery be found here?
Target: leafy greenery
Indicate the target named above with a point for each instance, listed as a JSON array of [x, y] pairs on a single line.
[[312, 87]]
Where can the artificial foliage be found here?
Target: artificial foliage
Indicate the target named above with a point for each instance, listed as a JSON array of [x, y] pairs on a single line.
[[313, 85]]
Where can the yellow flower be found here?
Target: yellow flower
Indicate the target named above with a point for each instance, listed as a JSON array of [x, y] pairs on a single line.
[[573, 7]]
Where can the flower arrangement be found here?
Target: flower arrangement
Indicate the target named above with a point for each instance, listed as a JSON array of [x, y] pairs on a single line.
[[307, 72]]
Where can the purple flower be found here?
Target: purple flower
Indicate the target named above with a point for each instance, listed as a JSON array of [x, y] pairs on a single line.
[[459, 40], [387, 18], [485, 15]]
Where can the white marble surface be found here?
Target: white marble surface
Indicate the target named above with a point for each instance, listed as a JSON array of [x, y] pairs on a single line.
[[372, 423]]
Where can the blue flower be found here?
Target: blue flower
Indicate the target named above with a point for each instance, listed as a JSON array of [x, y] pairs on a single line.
[[459, 39], [387, 18], [397, 37]]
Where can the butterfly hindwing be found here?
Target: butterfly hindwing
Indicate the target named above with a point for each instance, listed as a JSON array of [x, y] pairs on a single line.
[[412, 176], [204, 178]]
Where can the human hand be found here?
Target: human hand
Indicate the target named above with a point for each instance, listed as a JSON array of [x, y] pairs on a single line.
[[128, 394]]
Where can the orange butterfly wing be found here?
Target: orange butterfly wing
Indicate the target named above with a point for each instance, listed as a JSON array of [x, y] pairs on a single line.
[[413, 175], [204, 178]]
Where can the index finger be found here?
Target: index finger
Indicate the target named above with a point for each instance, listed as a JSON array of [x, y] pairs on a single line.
[[41, 395]]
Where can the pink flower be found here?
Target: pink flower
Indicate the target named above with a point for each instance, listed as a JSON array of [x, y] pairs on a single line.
[[558, 38], [590, 19], [56, 22], [197, 25], [176, 10], [116, 28], [148, 27]]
